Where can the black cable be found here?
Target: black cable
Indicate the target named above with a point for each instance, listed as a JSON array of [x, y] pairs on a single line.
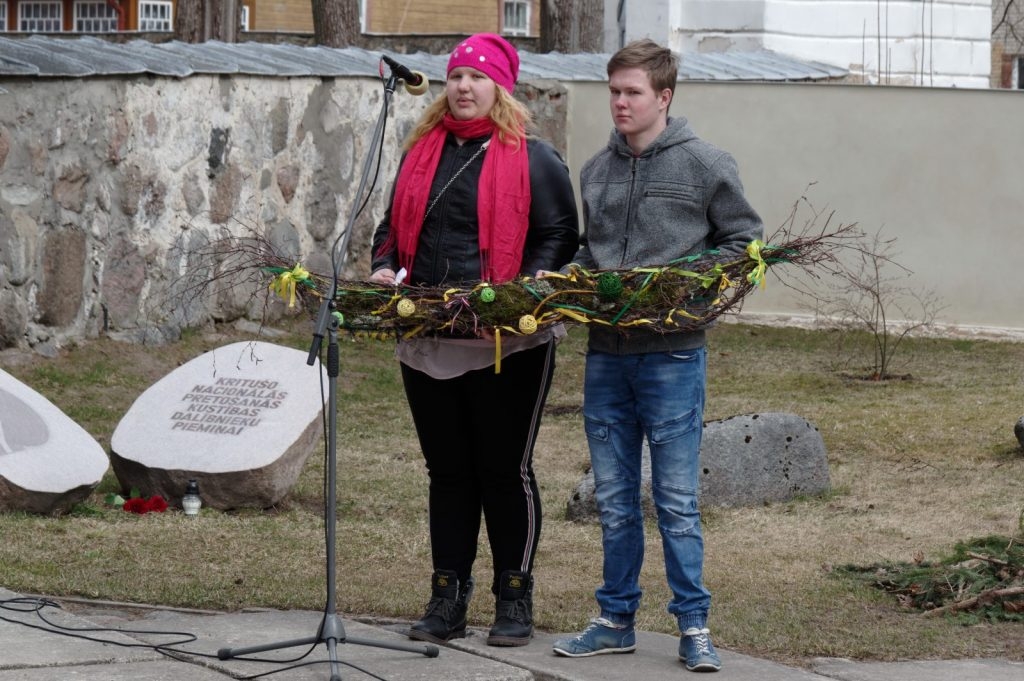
[[37, 605]]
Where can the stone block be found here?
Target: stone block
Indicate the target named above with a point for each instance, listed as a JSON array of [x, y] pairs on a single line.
[[124, 276], [5, 145], [64, 260], [19, 237], [13, 319], [48, 462], [242, 420], [759, 458]]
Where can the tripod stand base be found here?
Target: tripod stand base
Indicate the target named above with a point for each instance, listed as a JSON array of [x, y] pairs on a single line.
[[332, 633]]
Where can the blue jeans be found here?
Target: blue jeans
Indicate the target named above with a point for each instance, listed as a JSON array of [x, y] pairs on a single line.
[[660, 396]]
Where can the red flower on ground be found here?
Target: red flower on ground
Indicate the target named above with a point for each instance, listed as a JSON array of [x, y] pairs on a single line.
[[156, 503], [136, 505]]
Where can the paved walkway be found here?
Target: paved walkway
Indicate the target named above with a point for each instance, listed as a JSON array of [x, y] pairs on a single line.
[[30, 653]]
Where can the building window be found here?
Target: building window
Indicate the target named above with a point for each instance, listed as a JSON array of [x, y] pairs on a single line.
[[1018, 73], [517, 17], [95, 16], [3, 17], [245, 17], [40, 17], [155, 16]]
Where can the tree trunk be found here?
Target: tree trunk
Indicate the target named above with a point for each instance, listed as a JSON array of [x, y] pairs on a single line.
[[188, 21], [336, 22], [570, 26], [197, 21]]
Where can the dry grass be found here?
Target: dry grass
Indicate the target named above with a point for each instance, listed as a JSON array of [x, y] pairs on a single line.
[[916, 465]]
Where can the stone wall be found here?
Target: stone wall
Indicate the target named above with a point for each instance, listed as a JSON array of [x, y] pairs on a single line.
[[111, 185]]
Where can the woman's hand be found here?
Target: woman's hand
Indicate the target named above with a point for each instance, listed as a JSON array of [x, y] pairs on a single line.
[[384, 275]]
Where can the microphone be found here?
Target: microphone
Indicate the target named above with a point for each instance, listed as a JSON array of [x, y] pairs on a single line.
[[416, 83]]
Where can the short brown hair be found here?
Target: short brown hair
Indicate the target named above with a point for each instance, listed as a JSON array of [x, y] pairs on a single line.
[[661, 65]]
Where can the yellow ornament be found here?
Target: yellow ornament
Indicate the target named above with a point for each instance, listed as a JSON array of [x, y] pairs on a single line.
[[527, 323], [406, 307]]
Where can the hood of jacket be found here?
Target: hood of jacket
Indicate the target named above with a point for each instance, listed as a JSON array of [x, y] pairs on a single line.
[[678, 131]]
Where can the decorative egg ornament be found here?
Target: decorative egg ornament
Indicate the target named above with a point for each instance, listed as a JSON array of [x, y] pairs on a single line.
[[527, 324], [609, 286], [487, 295], [406, 307]]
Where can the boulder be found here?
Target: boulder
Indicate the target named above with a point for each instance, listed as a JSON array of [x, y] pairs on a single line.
[[241, 420], [745, 460], [48, 462]]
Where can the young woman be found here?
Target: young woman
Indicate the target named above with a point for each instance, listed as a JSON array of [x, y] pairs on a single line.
[[477, 200]]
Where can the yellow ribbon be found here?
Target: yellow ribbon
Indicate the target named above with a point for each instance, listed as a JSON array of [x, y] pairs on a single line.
[[284, 284], [412, 332], [681, 312], [572, 314], [391, 301], [756, 276], [497, 351]]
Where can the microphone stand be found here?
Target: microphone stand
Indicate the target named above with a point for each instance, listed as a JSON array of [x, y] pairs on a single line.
[[331, 630]]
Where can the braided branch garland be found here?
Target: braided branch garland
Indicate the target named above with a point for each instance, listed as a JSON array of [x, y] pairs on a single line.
[[683, 295]]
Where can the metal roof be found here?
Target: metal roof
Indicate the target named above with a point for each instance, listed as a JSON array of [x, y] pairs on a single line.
[[80, 57]]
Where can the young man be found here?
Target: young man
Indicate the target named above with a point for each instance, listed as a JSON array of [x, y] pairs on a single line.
[[656, 193]]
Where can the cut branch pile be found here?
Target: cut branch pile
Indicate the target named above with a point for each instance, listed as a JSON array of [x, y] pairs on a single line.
[[983, 580]]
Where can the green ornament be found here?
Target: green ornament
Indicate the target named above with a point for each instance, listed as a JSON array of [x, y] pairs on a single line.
[[609, 286], [487, 295]]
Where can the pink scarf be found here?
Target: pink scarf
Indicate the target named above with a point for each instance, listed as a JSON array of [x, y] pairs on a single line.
[[503, 198]]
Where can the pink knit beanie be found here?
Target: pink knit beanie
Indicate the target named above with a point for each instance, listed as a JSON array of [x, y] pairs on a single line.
[[491, 54]]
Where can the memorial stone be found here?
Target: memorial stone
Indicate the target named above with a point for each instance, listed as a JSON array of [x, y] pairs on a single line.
[[48, 462], [241, 420]]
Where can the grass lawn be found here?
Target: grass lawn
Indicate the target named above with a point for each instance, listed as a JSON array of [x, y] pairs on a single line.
[[916, 464]]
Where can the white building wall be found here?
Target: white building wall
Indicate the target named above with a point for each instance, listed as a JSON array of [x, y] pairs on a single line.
[[904, 42], [626, 20]]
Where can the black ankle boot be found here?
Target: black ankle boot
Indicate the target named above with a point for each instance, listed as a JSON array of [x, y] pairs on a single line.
[[445, 617], [513, 620]]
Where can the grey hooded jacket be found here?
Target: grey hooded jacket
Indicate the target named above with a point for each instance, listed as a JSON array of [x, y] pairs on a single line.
[[680, 197]]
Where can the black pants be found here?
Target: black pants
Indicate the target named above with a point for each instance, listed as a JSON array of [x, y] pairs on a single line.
[[477, 432]]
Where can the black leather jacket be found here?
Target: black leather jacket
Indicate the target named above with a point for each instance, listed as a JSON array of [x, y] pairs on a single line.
[[449, 250]]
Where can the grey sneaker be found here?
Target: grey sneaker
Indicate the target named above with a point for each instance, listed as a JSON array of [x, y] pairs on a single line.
[[599, 638], [696, 651]]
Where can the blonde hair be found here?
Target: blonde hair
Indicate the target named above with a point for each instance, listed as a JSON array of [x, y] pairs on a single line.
[[510, 116]]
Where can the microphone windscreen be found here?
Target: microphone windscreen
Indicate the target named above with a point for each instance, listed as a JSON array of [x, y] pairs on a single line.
[[420, 87]]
